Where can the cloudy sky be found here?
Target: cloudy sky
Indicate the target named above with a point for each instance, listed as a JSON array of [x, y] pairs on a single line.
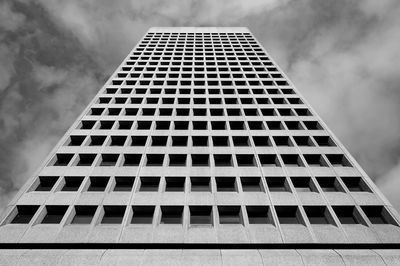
[[344, 56]]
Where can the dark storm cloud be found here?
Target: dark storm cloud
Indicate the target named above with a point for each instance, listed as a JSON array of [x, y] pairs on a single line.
[[342, 55]]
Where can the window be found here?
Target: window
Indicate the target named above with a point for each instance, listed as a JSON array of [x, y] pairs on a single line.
[[174, 184], [200, 184], [256, 125], [138, 140], [223, 160], [142, 214], [124, 183], [269, 160], [338, 160], [199, 125], [76, 140], [277, 183], [98, 183], [324, 141], [245, 160], [229, 215], [261, 141], [143, 125], [252, 183], [302, 184], [97, 140], [317, 214], [171, 214], [149, 183], [86, 159], [181, 125], [200, 215], [24, 214], [106, 124], [84, 214], [275, 125], [287, 214], [155, 159], [87, 124], [132, 159], [303, 141], [292, 160], [355, 184], [113, 214], [54, 214], [118, 140], [218, 125], [159, 140], [237, 125], [347, 214], [199, 141], [179, 140], [241, 141], [328, 183], [46, 183], [258, 215], [378, 215], [282, 141], [220, 141], [200, 160], [62, 159], [72, 183], [109, 159], [226, 184], [177, 160]]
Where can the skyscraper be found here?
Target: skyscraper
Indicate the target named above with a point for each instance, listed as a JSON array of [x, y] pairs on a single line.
[[199, 140]]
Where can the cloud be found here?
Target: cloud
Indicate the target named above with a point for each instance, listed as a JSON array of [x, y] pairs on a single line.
[[342, 56]]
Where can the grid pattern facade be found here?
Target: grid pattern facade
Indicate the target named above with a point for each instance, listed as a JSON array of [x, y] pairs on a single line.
[[199, 137]]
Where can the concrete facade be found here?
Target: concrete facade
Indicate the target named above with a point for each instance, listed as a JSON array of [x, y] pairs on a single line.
[[199, 137]]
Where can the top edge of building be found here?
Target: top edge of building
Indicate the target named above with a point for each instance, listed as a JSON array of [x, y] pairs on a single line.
[[199, 29]]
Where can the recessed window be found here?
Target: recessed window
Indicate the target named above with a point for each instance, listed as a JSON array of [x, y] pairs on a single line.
[[63, 159], [76, 140], [199, 141], [200, 160], [292, 160], [124, 183], [159, 140], [268, 160], [86, 159], [84, 214], [237, 125], [113, 214], [324, 141], [355, 184], [241, 141], [109, 159], [98, 183], [105, 125], [162, 125], [54, 214], [46, 183], [277, 183], [174, 184], [294, 125], [282, 141], [181, 125], [138, 140], [142, 214], [155, 159], [315, 160], [219, 141], [287, 214], [171, 214], [223, 160], [177, 160], [143, 125], [218, 125], [200, 215], [312, 125], [251, 184], [347, 214], [149, 183], [256, 125], [200, 184], [275, 125], [338, 160], [302, 184], [261, 141], [378, 215], [245, 160], [258, 215], [24, 214], [303, 141], [168, 100], [72, 183], [229, 215], [118, 140], [97, 140], [148, 111], [328, 183], [179, 140], [132, 159], [87, 124], [226, 184], [317, 214], [199, 125]]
